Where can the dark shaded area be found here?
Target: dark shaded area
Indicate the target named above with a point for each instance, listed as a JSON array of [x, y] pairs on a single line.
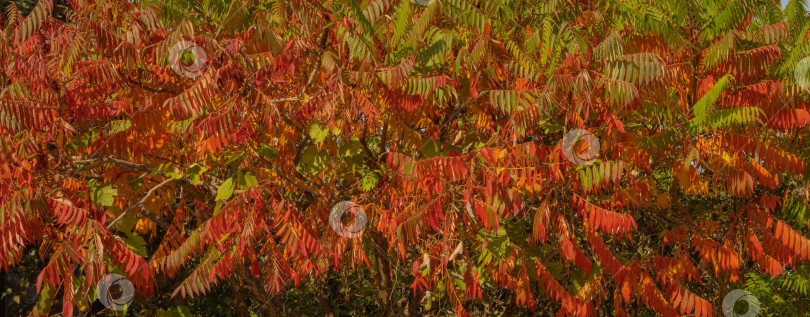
[[60, 7]]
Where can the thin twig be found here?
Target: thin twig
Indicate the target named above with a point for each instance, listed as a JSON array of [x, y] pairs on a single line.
[[163, 224]]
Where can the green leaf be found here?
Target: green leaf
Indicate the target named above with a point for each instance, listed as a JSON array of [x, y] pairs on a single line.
[[119, 125], [312, 160], [236, 158], [352, 151], [157, 169], [267, 152], [317, 133], [555, 268], [179, 311], [174, 174], [104, 195], [550, 127], [218, 207], [703, 107], [183, 311], [459, 283], [225, 190], [431, 148], [128, 222], [498, 242], [136, 243], [579, 279], [402, 20], [370, 180], [245, 180], [194, 172]]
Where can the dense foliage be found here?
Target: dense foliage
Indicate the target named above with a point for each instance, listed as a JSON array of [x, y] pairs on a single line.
[[198, 148]]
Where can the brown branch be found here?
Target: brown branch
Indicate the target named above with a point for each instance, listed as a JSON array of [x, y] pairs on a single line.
[[150, 89], [283, 100], [299, 186], [384, 136], [269, 305], [311, 76], [163, 224], [324, 303], [383, 282], [457, 109], [96, 162], [369, 155], [321, 44]]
